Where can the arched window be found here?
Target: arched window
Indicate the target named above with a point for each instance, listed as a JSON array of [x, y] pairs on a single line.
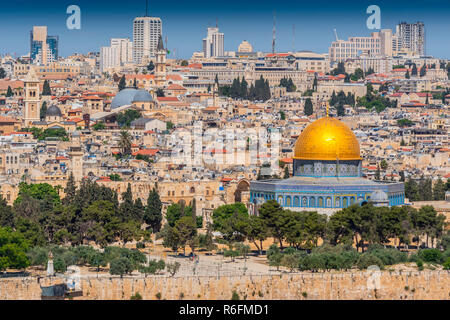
[[337, 202], [312, 202], [288, 201], [329, 203], [320, 202], [280, 200], [345, 202], [304, 202], [352, 200], [296, 201]]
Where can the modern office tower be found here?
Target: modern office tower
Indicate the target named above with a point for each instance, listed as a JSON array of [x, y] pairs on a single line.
[[146, 32], [117, 54], [213, 43], [411, 37], [43, 48]]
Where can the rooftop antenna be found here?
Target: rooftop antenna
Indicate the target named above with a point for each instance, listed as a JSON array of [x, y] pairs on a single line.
[[217, 23], [273, 33], [166, 43], [146, 8]]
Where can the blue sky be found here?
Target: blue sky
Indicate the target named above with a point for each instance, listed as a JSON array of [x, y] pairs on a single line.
[[185, 22]]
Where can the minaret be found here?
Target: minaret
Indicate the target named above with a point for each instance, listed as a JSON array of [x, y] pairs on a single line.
[[32, 99], [160, 65]]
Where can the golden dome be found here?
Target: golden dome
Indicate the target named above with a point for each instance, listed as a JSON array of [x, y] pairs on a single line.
[[327, 139]]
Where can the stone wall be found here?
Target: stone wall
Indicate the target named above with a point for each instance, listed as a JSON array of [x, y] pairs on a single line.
[[314, 286]]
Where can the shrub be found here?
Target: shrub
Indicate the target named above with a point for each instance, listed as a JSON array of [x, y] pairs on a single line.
[[136, 296], [368, 259], [447, 264], [140, 245], [389, 256], [234, 295], [431, 255], [158, 296], [419, 265]]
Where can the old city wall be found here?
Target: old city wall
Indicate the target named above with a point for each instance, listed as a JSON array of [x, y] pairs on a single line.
[[346, 285]]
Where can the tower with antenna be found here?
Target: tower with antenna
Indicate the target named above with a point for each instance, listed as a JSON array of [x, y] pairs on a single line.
[[273, 33]]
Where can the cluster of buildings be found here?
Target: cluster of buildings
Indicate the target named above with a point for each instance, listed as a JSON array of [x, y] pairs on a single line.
[[181, 139]]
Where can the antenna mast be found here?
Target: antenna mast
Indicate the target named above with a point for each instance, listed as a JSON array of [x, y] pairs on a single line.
[[146, 8], [273, 33]]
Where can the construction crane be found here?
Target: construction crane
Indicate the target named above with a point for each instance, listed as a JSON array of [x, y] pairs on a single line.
[[335, 34]]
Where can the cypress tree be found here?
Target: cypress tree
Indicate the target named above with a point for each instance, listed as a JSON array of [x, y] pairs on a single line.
[[308, 107], [152, 214], [122, 83], [43, 110], [9, 92], [46, 89]]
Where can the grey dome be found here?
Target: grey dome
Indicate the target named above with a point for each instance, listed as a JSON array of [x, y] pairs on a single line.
[[379, 196], [123, 98], [53, 111], [142, 96]]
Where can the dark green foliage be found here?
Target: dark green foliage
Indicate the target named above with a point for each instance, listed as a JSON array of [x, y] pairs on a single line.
[[43, 110], [125, 118], [258, 91], [288, 84], [122, 83], [431, 255], [46, 89], [152, 214], [41, 134], [9, 92], [160, 92], [308, 107], [13, 247]]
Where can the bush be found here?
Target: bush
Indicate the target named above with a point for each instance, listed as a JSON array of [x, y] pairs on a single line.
[[38, 256], [389, 256], [59, 264], [447, 264], [234, 295], [419, 265], [368, 259], [431, 255], [136, 296], [140, 245]]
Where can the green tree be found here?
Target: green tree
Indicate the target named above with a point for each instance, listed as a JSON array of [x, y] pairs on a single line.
[[152, 214], [43, 110], [125, 142], [122, 83], [308, 107], [274, 216], [46, 89], [414, 70], [13, 247], [2, 73], [439, 190], [231, 221], [186, 230], [151, 66], [184, 63], [9, 92], [274, 256], [160, 92]]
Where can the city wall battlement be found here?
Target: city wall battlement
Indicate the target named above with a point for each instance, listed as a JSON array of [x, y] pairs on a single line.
[[311, 286]]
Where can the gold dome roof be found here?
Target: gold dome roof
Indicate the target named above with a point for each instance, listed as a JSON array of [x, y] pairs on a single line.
[[327, 139]]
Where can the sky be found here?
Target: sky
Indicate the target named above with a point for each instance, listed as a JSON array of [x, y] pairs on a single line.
[[185, 23]]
